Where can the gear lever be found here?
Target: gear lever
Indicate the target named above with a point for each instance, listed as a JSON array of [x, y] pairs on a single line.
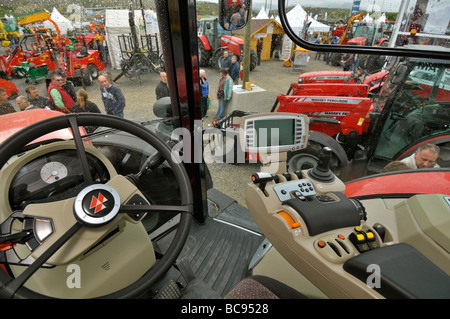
[[321, 172]]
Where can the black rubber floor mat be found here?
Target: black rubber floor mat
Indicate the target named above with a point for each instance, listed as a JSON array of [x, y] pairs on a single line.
[[219, 254]]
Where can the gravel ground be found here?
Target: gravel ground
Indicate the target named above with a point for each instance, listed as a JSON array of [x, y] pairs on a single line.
[[272, 76]]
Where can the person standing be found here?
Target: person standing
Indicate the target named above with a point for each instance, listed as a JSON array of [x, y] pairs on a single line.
[[259, 50], [204, 93], [234, 70], [112, 96], [5, 106], [225, 61], [83, 104], [68, 85], [162, 89], [224, 92], [58, 96], [35, 99]]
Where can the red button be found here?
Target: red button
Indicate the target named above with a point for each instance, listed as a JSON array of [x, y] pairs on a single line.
[[321, 243], [341, 236]]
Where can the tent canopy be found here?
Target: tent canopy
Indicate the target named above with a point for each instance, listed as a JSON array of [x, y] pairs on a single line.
[[63, 23], [117, 24], [262, 14], [297, 17]]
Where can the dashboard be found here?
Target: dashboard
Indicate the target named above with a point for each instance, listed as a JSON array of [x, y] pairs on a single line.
[[54, 175]]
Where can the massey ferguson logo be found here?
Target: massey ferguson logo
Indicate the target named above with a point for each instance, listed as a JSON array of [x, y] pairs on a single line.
[[97, 203]]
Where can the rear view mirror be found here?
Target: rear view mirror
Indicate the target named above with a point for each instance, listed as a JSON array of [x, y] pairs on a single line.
[[233, 14]]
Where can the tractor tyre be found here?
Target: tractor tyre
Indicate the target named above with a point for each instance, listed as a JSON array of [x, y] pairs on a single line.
[[203, 55], [217, 59], [86, 77], [92, 68], [335, 59]]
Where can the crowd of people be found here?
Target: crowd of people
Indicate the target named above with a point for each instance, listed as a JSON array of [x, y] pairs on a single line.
[[229, 76], [63, 97]]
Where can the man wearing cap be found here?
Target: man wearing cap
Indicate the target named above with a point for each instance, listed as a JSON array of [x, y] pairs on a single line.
[[58, 96], [68, 85]]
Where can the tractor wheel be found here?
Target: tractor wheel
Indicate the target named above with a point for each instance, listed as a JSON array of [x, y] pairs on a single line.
[[253, 60], [217, 59], [92, 68], [203, 55], [86, 77], [335, 58]]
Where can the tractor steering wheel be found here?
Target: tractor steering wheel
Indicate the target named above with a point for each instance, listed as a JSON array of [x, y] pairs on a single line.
[[115, 189]]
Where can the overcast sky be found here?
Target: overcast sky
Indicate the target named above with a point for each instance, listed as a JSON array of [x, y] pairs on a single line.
[[384, 5]]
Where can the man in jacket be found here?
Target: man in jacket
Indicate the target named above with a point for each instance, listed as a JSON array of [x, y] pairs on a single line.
[[425, 157], [162, 89], [58, 96], [112, 96], [224, 92], [234, 70]]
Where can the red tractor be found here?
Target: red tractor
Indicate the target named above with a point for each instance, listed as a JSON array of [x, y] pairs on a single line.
[[213, 40], [408, 112]]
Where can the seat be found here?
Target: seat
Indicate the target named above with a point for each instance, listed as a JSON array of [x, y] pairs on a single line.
[[262, 287]]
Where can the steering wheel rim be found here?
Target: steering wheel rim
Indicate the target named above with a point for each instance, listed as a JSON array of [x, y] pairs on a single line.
[[14, 144]]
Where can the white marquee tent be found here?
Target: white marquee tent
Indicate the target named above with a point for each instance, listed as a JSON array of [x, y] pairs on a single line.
[[63, 23], [296, 18], [262, 14], [116, 24]]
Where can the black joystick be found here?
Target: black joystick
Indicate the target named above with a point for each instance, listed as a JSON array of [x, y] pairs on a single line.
[[322, 172]]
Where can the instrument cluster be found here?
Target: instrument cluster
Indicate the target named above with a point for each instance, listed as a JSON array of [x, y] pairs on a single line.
[[53, 176]]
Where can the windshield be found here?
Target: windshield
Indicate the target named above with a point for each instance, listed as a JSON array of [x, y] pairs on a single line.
[[170, 69], [133, 58], [130, 50]]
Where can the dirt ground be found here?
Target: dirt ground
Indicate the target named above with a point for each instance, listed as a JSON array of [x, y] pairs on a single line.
[[140, 96]]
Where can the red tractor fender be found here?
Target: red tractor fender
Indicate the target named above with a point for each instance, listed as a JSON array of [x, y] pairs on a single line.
[[424, 181], [378, 76], [13, 122], [205, 42], [353, 113]]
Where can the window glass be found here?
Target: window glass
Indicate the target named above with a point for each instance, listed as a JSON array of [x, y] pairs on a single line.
[[420, 108]]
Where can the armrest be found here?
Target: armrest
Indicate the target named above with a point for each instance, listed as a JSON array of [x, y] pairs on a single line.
[[404, 273]]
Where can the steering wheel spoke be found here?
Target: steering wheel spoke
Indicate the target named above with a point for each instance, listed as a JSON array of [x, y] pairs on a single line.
[[10, 288], [80, 148]]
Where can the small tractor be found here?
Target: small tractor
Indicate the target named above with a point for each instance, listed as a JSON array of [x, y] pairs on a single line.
[[9, 31]]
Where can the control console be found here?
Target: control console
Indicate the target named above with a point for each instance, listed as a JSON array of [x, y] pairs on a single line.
[[327, 236]]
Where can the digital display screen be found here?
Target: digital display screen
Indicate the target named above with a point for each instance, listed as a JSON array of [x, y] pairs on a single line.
[[275, 132]]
